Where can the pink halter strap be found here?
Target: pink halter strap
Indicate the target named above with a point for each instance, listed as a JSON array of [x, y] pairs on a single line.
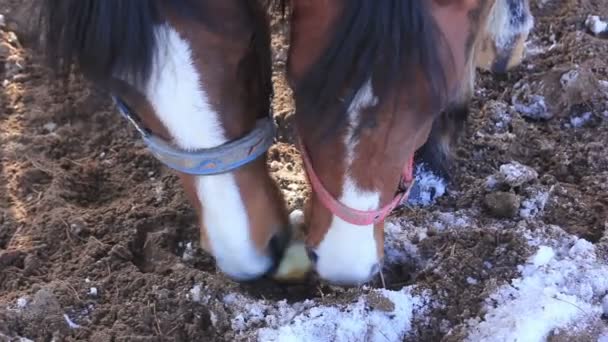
[[354, 216]]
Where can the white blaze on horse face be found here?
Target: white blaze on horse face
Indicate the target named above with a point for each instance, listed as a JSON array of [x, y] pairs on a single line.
[[348, 253], [176, 93]]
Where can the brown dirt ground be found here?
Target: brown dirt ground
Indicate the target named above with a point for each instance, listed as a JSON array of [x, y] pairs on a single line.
[[82, 204]]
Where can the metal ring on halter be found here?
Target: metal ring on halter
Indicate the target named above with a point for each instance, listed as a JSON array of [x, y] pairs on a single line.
[[211, 161]]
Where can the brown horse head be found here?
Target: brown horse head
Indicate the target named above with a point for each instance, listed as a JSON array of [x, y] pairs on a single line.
[[197, 75], [370, 78]]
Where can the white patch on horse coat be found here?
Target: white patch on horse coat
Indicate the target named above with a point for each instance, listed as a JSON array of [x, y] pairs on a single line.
[[348, 252], [506, 23], [176, 93]]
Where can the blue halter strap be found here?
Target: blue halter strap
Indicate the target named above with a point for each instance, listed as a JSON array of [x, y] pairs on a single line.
[[211, 161]]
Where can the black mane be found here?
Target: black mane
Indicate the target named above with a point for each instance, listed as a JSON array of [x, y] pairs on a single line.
[[107, 37], [389, 39], [100, 37]]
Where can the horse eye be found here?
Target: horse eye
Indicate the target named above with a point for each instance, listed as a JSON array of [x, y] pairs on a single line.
[[312, 255]]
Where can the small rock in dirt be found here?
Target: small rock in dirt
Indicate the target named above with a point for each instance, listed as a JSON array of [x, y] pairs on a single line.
[[93, 291], [11, 258], [2, 20], [379, 302], [32, 264], [596, 25], [502, 204]]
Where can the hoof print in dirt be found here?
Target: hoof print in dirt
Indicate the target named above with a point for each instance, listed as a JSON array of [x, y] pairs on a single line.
[[502, 204]]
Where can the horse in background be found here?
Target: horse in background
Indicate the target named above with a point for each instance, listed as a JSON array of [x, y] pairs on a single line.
[[194, 78], [374, 82]]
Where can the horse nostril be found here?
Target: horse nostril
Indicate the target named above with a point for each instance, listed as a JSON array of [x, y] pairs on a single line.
[[312, 255]]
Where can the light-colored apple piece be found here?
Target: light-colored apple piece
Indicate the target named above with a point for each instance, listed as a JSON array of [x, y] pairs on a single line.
[[295, 264]]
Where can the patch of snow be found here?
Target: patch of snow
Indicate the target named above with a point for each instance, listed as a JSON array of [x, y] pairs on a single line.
[[561, 286], [427, 187], [403, 235], [513, 174], [50, 126], [188, 252], [195, 292], [596, 25], [93, 291], [579, 121], [2, 20], [568, 78], [516, 174], [543, 256], [534, 46], [472, 281], [354, 322], [22, 302], [398, 246], [533, 205], [532, 107], [446, 220], [71, 324]]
